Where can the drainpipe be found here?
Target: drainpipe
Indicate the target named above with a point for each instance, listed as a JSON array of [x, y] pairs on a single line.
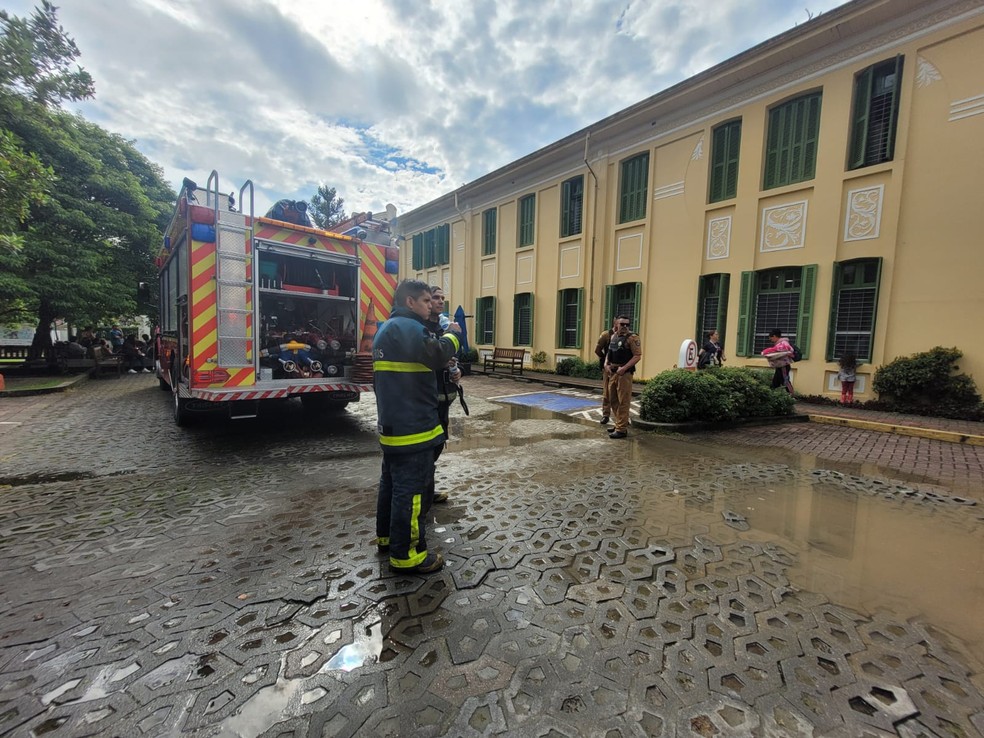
[[594, 230]]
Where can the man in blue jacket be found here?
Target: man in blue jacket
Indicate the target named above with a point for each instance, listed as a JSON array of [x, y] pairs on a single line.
[[406, 353]]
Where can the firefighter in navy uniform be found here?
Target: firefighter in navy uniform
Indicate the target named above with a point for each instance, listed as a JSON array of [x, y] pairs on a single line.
[[406, 353], [624, 352], [448, 387]]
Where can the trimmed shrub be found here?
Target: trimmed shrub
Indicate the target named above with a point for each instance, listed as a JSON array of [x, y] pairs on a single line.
[[925, 384], [711, 396], [575, 367]]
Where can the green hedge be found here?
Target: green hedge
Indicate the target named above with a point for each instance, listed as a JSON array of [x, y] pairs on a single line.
[[715, 395], [926, 384], [575, 367]]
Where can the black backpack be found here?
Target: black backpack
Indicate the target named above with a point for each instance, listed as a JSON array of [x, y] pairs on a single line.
[[797, 354]]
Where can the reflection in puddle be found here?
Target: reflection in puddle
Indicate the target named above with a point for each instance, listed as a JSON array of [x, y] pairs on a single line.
[[366, 647]]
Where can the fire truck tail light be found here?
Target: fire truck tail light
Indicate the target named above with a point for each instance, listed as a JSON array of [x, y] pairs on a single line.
[[212, 376]]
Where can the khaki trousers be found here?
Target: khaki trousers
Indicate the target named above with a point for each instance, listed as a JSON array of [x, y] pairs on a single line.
[[620, 396]]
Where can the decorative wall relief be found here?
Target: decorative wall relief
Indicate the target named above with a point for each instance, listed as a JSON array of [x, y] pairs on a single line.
[[698, 150], [784, 227], [524, 269], [670, 190], [719, 237], [864, 209], [969, 106], [926, 73], [488, 274], [570, 261], [628, 253]]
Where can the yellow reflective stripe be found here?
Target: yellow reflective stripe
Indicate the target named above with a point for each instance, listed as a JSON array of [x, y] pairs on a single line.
[[414, 557], [454, 340], [399, 366], [411, 439], [383, 541]]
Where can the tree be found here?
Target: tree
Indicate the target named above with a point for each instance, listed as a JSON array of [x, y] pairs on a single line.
[[36, 57], [327, 209], [84, 248]]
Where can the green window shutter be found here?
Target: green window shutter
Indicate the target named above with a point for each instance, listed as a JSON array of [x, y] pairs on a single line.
[[874, 316], [565, 208], [725, 147], [772, 176], [532, 320], [894, 119], [527, 217], [609, 306], [811, 137], [722, 313], [444, 244], [804, 322], [559, 328], [637, 303], [746, 297], [835, 285], [418, 251], [731, 163], [479, 321], [859, 119], [701, 294], [580, 317], [492, 309]]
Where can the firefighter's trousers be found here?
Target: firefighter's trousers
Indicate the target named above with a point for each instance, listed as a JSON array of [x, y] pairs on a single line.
[[620, 395], [405, 496]]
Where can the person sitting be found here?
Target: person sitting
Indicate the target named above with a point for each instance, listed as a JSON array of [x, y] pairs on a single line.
[[133, 357], [73, 349]]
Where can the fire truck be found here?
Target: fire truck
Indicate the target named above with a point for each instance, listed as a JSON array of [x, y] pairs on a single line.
[[261, 309]]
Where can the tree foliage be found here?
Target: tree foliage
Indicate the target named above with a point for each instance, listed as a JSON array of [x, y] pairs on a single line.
[[327, 209], [86, 244]]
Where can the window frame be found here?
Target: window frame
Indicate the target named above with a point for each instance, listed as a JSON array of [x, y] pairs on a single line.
[[721, 291], [485, 311], [572, 206], [633, 188], [792, 140], [489, 228], [526, 221], [860, 150], [838, 288], [518, 322], [725, 152], [622, 294], [748, 307], [563, 303]]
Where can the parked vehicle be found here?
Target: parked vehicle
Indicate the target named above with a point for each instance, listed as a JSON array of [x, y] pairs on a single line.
[[255, 309]]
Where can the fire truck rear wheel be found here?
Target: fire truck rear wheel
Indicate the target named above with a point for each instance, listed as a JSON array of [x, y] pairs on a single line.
[[182, 417], [164, 385]]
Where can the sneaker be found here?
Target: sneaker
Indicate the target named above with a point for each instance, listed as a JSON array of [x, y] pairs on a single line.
[[618, 434], [440, 497], [147, 371], [131, 371], [433, 562], [604, 420]]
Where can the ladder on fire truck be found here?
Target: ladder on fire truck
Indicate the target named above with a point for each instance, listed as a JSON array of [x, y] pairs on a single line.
[[234, 284]]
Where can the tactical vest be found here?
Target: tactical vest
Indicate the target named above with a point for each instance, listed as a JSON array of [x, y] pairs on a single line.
[[619, 350]]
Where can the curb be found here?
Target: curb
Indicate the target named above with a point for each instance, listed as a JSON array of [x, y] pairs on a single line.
[[695, 427], [900, 430], [67, 384]]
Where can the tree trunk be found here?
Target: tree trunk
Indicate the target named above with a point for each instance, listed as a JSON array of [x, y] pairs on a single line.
[[41, 345]]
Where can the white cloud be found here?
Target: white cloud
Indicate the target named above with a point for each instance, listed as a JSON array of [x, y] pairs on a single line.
[[387, 100]]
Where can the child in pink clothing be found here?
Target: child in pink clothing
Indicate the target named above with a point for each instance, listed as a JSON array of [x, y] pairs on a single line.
[[780, 356]]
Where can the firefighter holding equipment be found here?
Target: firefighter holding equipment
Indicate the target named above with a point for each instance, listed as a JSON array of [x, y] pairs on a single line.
[[624, 352], [406, 354]]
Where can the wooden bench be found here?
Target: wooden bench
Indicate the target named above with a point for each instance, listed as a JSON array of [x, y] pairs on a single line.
[[106, 362], [511, 358]]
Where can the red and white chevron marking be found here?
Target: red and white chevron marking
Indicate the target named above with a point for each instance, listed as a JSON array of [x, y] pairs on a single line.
[[273, 394]]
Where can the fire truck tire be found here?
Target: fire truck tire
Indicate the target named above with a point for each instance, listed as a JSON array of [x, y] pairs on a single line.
[[164, 385], [182, 417]]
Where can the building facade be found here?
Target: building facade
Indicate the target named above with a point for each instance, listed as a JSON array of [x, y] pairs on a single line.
[[825, 182]]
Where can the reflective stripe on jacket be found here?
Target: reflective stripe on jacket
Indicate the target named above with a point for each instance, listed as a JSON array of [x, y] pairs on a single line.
[[405, 356]]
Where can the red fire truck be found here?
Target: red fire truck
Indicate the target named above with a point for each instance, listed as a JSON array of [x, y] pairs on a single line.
[[256, 309]]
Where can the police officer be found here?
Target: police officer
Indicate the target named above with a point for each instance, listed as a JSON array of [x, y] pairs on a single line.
[[624, 352], [601, 351], [447, 381], [406, 353]]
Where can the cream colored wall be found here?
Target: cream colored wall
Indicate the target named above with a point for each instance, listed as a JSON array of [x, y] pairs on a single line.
[[929, 199]]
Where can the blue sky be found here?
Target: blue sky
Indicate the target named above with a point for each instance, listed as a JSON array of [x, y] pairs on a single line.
[[388, 101]]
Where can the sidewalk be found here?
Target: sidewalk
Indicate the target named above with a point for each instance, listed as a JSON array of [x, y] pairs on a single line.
[[940, 429]]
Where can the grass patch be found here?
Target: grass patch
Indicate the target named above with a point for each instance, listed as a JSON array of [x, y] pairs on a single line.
[[33, 383]]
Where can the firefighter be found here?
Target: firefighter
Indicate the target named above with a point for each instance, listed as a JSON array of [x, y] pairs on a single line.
[[624, 352], [447, 383], [405, 356]]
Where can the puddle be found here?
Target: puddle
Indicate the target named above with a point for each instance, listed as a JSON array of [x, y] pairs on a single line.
[[366, 647]]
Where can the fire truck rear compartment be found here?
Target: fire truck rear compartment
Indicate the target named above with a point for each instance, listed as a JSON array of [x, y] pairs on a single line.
[[308, 313]]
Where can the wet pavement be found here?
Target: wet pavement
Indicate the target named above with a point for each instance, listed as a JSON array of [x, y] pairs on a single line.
[[221, 581]]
